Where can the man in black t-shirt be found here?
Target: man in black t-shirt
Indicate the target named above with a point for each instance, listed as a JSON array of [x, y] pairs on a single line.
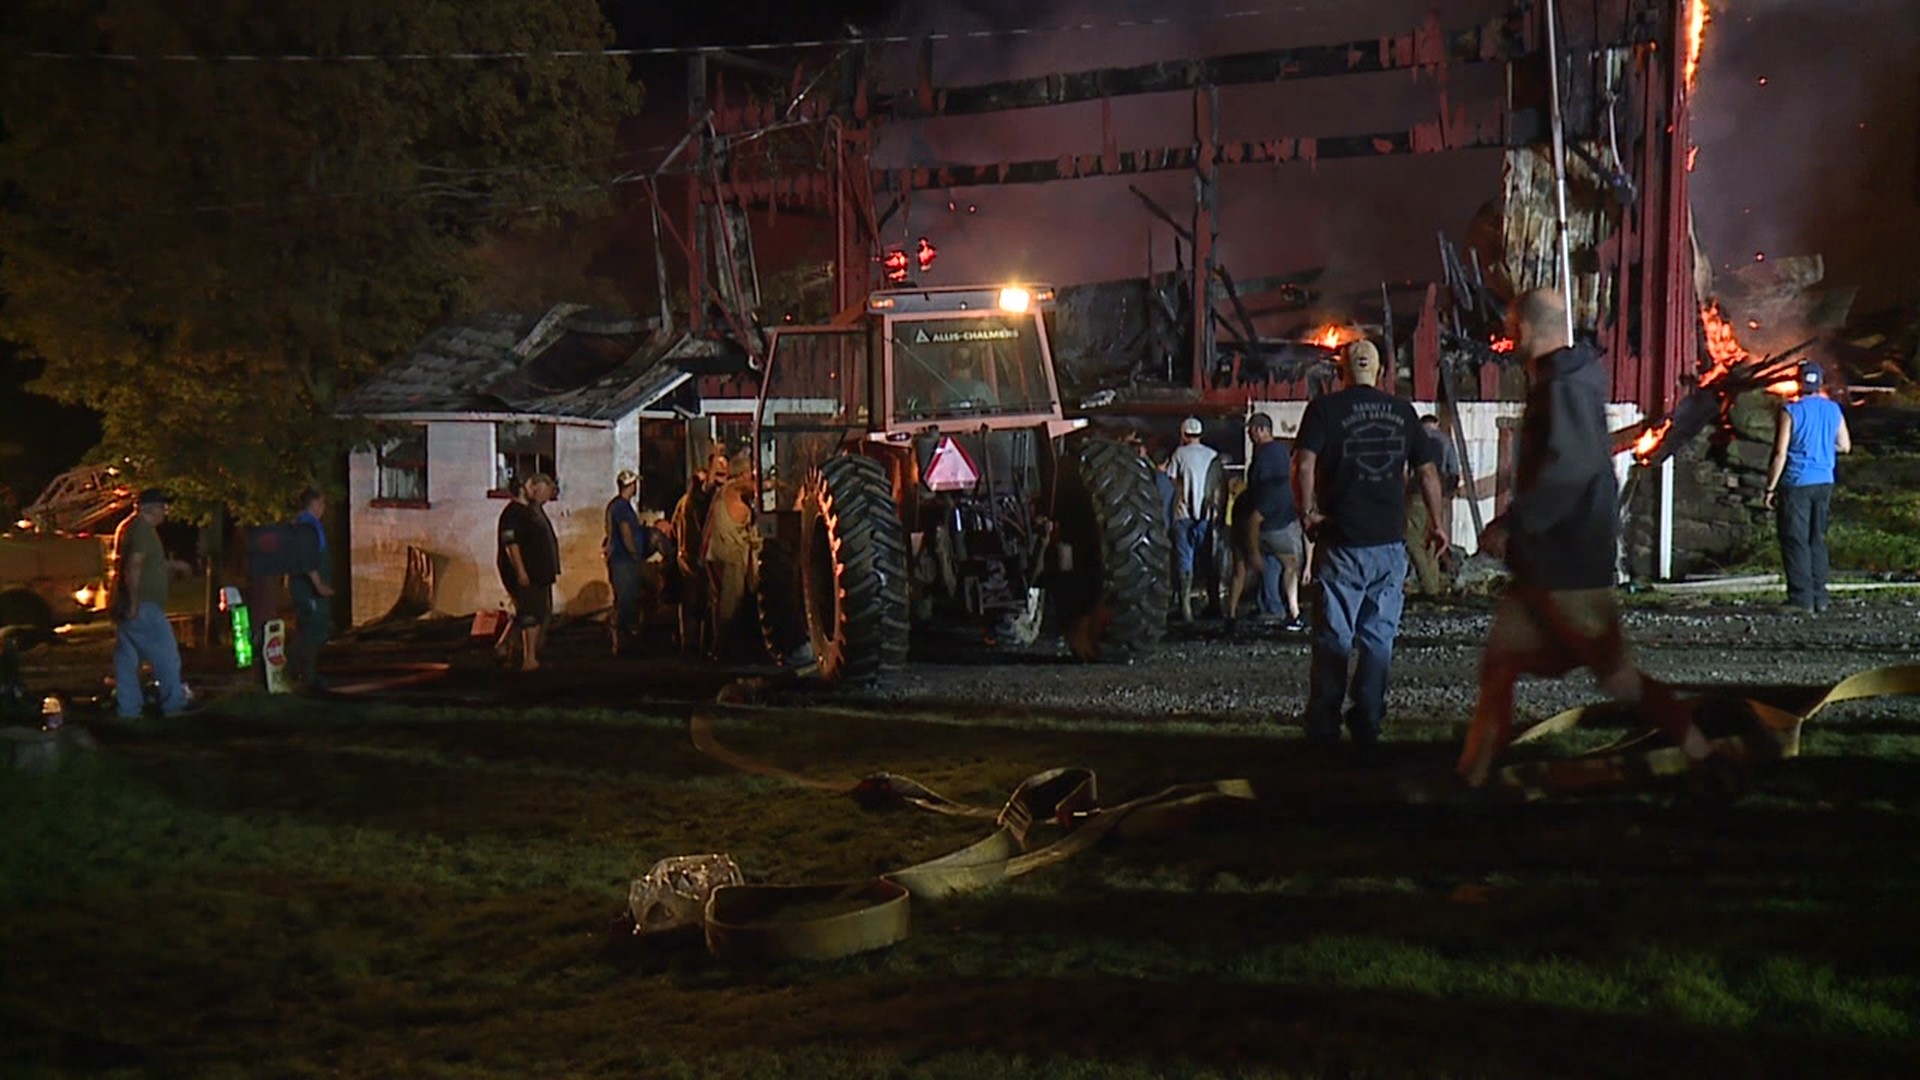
[[1350, 466], [529, 563]]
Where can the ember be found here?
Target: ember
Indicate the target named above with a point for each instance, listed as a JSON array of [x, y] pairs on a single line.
[[1501, 345]]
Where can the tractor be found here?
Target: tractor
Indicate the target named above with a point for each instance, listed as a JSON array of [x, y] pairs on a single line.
[[914, 469]]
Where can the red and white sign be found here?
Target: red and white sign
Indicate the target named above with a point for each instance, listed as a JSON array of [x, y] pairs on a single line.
[[951, 469]]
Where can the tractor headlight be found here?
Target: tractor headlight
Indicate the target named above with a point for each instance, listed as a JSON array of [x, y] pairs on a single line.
[[1015, 299]]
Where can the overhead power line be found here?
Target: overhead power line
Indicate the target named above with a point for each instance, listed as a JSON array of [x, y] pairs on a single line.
[[669, 50]]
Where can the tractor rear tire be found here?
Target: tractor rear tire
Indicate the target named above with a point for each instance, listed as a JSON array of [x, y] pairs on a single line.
[[853, 569], [1114, 596], [783, 609]]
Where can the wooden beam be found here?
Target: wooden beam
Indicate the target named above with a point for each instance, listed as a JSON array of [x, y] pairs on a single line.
[[1165, 159], [1428, 46]]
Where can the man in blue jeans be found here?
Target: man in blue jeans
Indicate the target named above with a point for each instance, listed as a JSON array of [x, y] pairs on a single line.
[[1350, 466], [1807, 435], [1198, 505], [139, 611]]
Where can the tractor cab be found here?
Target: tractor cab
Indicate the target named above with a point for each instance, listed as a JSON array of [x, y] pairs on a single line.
[[913, 469]]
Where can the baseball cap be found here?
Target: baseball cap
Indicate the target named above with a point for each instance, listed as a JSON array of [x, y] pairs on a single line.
[[149, 496], [1192, 426], [1361, 355], [625, 477], [1811, 375], [1261, 421]]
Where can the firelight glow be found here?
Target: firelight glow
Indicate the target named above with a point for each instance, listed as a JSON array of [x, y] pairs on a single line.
[[1650, 440], [1697, 18]]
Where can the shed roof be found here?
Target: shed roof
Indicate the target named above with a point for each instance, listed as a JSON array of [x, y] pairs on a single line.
[[571, 362]]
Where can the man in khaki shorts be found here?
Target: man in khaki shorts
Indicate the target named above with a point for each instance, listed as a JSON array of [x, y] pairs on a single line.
[[1558, 538]]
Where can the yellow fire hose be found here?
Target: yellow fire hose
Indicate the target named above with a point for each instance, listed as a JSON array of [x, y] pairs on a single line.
[[770, 923]]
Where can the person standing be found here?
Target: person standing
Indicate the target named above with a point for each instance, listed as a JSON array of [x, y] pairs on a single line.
[[312, 592], [530, 562], [1426, 562], [626, 549], [1351, 460], [690, 516], [1809, 431], [731, 545], [1558, 538], [139, 610], [1270, 536], [1197, 507]]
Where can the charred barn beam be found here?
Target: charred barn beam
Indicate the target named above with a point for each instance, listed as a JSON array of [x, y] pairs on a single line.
[[1426, 47], [1421, 140]]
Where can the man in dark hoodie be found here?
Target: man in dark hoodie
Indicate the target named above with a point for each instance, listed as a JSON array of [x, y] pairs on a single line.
[[1558, 538]]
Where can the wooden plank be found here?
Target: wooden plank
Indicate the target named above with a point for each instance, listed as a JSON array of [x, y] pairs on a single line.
[[1278, 151], [1477, 44]]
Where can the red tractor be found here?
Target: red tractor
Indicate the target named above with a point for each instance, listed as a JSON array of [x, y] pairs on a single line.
[[915, 468]]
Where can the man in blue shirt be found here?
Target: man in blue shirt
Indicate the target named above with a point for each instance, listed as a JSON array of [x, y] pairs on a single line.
[[1267, 531], [312, 593], [1808, 433], [626, 550]]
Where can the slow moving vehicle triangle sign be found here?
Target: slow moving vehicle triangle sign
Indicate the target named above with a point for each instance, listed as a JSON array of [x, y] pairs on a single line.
[[951, 469]]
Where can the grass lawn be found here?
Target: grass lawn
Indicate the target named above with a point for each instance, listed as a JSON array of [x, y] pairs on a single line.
[[287, 888]]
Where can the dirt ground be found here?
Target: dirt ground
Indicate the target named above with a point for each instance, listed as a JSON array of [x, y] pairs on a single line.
[[1199, 674]]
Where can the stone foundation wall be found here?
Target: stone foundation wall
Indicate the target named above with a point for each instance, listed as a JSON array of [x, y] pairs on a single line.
[[1719, 516]]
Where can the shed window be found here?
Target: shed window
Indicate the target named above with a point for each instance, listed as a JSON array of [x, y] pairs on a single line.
[[521, 448], [400, 473]]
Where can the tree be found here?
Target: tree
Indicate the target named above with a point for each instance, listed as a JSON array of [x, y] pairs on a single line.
[[210, 252]]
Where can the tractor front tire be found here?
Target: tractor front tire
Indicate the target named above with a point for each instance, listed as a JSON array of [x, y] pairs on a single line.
[[853, 570], [30, 613], [1114, 594]]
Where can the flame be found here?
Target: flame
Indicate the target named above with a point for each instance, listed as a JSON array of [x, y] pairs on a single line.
[[1650, 440], [1332, 336], [1723, 349], [1692, 153], [1785, 388], [1501, 345], [1697, 18]]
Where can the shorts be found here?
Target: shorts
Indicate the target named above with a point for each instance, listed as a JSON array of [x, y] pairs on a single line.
[[532, 605], [1287, 541]]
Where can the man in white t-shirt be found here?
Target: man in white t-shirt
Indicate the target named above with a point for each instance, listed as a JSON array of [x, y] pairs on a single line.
[[1196, 507]]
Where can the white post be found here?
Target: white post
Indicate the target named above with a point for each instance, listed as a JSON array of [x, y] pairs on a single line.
[[1559, 163], [1663, 547]]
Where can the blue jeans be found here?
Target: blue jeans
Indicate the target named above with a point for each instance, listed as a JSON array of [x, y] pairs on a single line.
[[1801, 512], [1358, 613], [146, 636], [1189, 536], [624, 576], [1271, 602]]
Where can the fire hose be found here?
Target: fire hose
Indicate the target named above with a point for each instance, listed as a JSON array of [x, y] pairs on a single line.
[[758, 923]]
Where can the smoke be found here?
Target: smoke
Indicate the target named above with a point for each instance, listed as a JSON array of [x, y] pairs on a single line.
[[1805, 115]]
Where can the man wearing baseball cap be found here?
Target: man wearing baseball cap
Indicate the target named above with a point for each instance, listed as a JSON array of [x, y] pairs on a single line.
[[1351, 461], [624, 545], [1807, 434], [1197, 506], [139, 611]]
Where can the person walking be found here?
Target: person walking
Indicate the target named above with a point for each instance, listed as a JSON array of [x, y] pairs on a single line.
[[530, 561], [312, 592], [1426, 562], [1267, 531], [1197, 507], [1351, 460], [1558, 538], [138, 607], [626, 547], [1807, 434]]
